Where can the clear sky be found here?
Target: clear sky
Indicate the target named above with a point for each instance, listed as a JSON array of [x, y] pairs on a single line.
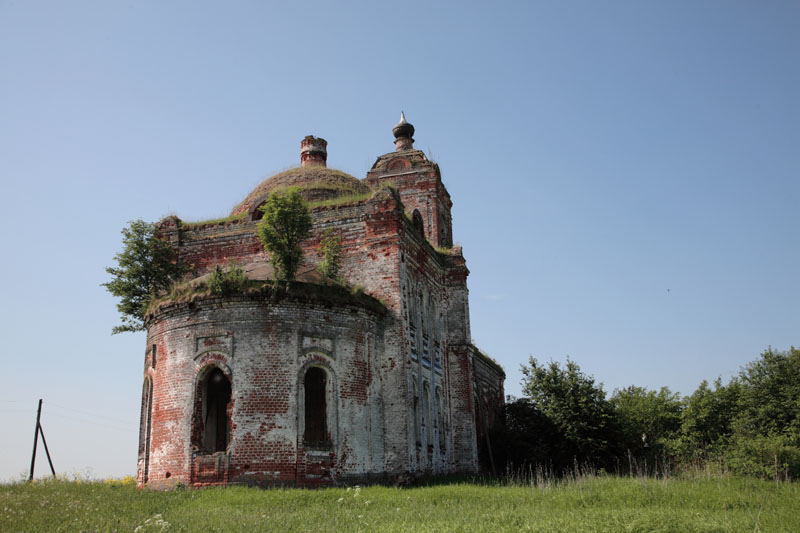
[[625, 175]]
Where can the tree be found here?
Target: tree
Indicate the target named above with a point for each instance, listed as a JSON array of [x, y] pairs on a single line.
[[707, 419], [147, 267], [766, 429], [286, 223], [577, 407], [526, 437], [648, 420], [770, 397], [331, 246]]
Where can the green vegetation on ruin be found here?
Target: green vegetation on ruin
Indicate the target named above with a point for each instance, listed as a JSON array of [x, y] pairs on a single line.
[[444, 250], [603, 503], [491, 361], [314, 177], [270, 290], [193, 225]]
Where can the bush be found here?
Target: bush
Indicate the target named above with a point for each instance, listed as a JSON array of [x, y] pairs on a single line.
[[707, 422], [771, 457], [527, 437], [227, 282], [766, 429], [331, 246]]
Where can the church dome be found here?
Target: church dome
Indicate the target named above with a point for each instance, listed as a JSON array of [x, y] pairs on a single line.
[[315, 184], [315, 180]]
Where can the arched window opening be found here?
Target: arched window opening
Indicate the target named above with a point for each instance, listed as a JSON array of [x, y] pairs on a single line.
[[416, 219], [478, 418], [426, 406], [257, 213], [217, 397], [412, 322], [416, 415], [146, 427], [440, 417], [316, 418], [423, 319]]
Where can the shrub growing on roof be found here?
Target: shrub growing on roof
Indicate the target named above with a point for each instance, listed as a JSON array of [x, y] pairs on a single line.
[[286, 223]]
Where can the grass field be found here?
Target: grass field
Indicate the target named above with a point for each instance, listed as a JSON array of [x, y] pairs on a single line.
[[587, 504]]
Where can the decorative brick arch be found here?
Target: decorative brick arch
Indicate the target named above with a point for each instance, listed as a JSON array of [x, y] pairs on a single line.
[[255, 211], [399, 164]]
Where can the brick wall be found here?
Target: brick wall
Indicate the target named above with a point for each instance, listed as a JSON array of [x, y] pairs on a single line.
[[264, 349]]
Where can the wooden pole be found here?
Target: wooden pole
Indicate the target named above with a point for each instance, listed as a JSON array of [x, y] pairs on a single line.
[[47, 452], [35, 439]]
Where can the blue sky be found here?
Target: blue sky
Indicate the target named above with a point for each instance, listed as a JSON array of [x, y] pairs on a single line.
[[625, 175]]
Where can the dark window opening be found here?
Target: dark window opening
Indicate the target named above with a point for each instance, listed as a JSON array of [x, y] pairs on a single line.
[[316, 430], [155, 354], [416, 219], [258, 214], [216, 423]]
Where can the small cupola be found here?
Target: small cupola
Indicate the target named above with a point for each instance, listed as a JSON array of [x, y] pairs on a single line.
[[313, 152], [403, 134]]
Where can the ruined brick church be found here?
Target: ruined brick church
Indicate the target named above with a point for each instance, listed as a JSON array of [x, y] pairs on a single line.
[[322, 385]]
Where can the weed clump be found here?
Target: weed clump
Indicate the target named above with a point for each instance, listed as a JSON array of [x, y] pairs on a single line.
[[226, 282]]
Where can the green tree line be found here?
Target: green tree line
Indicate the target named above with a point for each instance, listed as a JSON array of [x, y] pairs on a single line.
[[748, 426]]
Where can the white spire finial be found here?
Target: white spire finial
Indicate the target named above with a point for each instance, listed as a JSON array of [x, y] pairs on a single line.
[[402, 117]]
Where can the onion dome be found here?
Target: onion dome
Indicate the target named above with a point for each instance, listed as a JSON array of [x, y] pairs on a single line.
[[403, 128]]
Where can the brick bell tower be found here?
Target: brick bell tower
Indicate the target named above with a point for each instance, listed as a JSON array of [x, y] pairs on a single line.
[[419, 183]]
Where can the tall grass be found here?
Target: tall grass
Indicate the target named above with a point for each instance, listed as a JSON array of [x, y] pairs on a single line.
[[583, 502]]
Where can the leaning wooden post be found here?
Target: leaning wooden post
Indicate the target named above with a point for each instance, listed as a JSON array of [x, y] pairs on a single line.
[[47, 452], [35, 439]]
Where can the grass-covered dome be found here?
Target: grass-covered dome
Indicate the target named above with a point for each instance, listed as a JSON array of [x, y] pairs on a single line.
[[316, 183]]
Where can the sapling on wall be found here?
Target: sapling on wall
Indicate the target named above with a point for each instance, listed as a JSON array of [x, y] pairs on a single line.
[[331, 247]]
